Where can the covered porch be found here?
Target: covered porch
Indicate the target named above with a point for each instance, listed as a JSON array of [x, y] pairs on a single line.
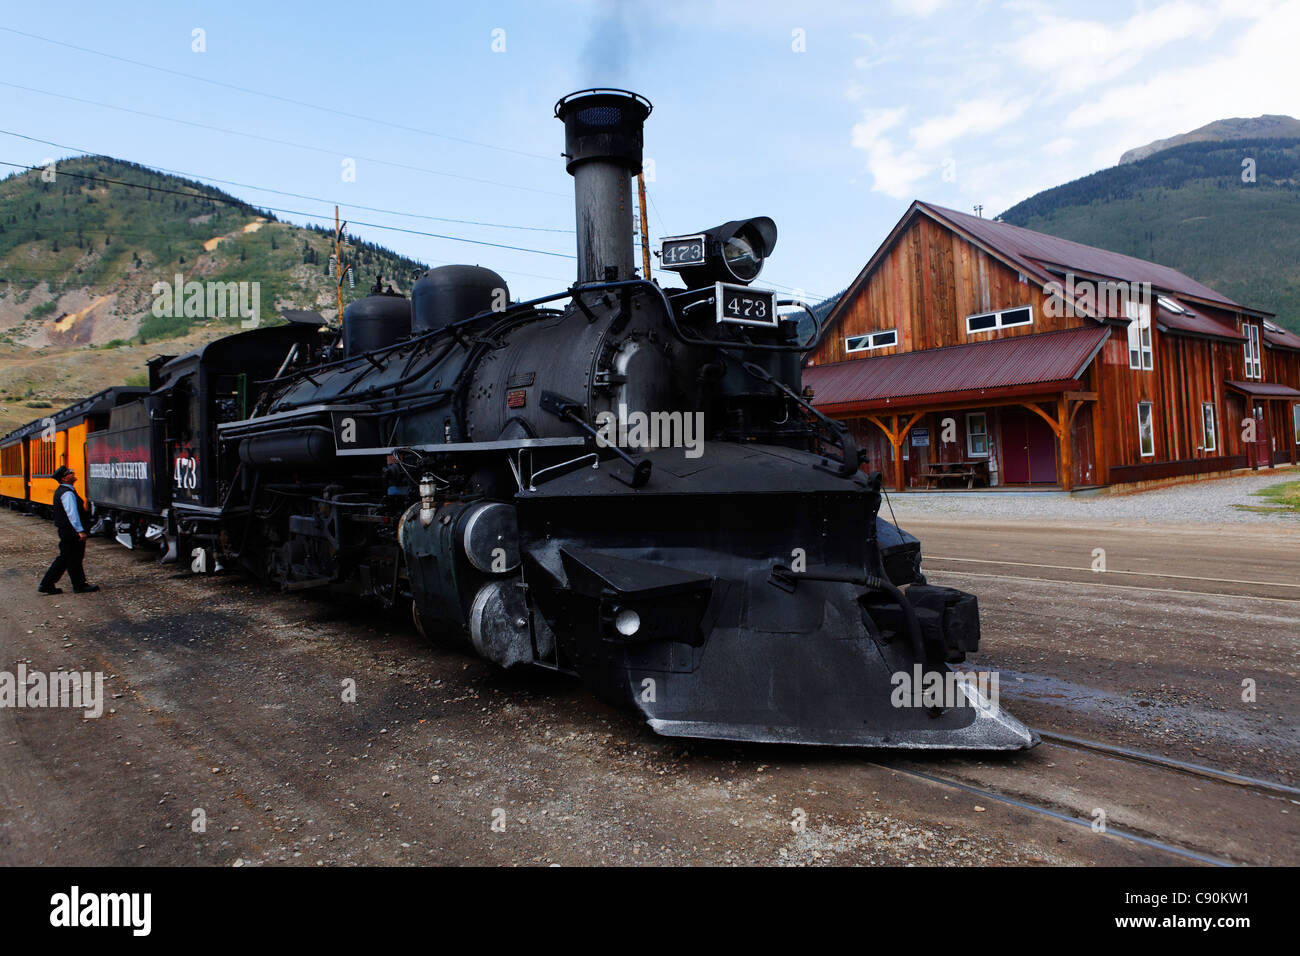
[[1276, 410], [1010, 413], [999, 442]]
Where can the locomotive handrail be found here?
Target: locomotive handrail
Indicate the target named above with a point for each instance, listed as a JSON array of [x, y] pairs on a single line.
[[850, 459], [817, 326], [413, 340], [786, 578]]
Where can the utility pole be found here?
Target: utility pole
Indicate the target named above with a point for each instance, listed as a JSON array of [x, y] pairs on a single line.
[[645, 231], [979, 211], [338, 268]]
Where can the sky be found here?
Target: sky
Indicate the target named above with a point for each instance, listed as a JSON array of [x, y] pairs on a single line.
[[829, 117]]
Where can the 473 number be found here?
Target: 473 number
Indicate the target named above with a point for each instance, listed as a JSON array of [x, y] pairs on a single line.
[[187, 473], [743, 307]]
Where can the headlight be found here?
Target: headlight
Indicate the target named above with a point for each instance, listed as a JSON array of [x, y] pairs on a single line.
[[732, 252], [627, 622], [742, 260]]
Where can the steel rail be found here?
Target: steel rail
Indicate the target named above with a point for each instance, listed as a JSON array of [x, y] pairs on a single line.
[[1058, 815]]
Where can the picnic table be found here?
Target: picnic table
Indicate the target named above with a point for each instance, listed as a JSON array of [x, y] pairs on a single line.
[[937, 472]]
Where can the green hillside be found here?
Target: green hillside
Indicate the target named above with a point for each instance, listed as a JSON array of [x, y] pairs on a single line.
[[1188, 207], [82, 238], [79, 258]]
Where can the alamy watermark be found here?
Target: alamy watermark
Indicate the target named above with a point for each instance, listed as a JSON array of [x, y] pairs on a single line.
[[77, 909], [208, 300], [945, 689], [643, 431], [1107, 298], [79, 690]]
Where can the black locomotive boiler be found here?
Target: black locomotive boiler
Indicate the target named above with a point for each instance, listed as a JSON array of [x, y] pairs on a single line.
[[621, 481]]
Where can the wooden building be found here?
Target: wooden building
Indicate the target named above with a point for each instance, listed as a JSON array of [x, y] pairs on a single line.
[[971, 352]]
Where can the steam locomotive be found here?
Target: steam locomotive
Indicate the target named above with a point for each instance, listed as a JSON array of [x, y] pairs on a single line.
[[621, 481]]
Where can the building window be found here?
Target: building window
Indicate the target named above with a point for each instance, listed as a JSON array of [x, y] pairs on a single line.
[[873, 340], [1007, 318], [977, 435], [1140, 354], [1254, 366], [1209, 434], [1146, 431]]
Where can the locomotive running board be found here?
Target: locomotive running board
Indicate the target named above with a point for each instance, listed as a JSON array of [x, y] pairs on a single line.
[[507, 444]]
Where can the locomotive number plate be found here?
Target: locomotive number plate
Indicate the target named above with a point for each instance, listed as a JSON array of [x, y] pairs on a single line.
[[682, 251], [742, 305]]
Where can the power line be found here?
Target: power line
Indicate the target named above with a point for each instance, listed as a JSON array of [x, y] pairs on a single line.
[[281, 142], [278, 192], [275, 96], [296, 212], [122, 249]]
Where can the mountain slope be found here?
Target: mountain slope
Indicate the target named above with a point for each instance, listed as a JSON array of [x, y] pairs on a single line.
[[79, 257], [1256, 127], [1188, 207]]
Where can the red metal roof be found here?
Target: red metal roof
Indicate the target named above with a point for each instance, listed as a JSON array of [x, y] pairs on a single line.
[[1041, 253], [1048, 358], [1264, 389], [1195, 322], [1280, 338]]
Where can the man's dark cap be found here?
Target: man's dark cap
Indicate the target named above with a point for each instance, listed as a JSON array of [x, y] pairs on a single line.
[[62, 472]]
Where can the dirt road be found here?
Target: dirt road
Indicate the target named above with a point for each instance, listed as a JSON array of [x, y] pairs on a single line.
[[225, 704]]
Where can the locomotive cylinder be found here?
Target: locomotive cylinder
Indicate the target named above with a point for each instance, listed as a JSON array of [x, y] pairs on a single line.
[[309, 447], [603, 142]]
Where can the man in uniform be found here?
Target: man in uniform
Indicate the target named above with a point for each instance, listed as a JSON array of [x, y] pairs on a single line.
[[71, 519]]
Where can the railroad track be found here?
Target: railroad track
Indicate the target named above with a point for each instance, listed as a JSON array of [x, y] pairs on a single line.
[[1273, 787], [1283, 592], [1047, 811], [1270, 788]]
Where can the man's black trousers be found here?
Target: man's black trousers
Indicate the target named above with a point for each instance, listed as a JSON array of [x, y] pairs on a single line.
[[72, 551]]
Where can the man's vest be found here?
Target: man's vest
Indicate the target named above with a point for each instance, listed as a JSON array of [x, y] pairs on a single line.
[[61, 515]]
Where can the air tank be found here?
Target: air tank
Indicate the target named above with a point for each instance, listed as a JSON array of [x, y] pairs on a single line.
[[380, 319], [451, 293]]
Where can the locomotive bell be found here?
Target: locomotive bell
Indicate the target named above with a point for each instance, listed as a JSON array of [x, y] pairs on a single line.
[[602, 147]]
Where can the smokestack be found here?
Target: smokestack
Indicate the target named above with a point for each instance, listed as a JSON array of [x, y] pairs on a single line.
[[602, 146]]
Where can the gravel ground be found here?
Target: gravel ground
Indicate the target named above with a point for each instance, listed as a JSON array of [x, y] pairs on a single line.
[[1198, 502], [226, 697]]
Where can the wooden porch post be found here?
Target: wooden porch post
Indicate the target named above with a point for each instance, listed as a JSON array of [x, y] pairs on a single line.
[[1067, 448], [896, 442], [1295, 433]]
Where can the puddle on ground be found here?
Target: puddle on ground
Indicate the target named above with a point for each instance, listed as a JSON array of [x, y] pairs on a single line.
[[1150, 716]]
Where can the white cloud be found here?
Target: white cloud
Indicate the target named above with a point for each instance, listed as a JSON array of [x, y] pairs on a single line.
[[1060, 146], [1079, 54], [979, 116], [1071, 96], [917, 8], [895, 174], [1257, 74]]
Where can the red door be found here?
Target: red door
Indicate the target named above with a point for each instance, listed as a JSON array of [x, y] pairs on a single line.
[[1028, 448], [1015, 442], [1042, 451], [1263, 447]]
